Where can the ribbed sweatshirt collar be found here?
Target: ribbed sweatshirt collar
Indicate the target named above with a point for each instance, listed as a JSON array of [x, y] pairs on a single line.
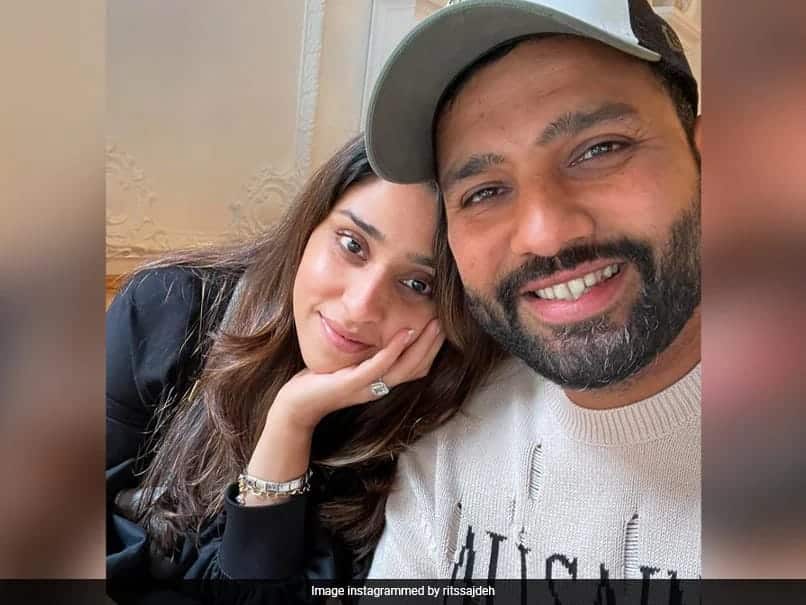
[[639, 422]]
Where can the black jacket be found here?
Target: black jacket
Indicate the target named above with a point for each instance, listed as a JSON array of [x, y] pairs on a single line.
[[151, 328]]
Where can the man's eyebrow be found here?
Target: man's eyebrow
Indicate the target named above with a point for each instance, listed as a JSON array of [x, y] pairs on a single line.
[[421, 259], [572, 123], [369, 229], [475, 164]]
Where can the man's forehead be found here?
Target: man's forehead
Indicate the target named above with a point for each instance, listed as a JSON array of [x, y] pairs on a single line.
[[550, 81], [550, 58]]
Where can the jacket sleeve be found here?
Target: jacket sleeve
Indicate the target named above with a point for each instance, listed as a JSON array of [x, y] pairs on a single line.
[[151, 332], [149, 343]]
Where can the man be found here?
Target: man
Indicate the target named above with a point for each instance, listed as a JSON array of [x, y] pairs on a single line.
[[564, 139]]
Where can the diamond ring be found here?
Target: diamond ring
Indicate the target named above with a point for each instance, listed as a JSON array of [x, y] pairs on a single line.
[[379, 388]]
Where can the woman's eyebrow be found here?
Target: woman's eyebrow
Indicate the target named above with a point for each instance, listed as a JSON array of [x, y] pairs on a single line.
[[372, 231], [369, 229]]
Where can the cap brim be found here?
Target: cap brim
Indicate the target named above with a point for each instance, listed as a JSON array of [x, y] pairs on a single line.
[[403, 101]]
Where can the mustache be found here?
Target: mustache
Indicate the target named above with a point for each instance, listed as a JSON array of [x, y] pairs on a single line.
[[538, 267]]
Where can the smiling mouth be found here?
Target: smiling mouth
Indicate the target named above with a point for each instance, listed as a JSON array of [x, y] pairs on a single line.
[[586, 292], [340, 340], [574, 289]]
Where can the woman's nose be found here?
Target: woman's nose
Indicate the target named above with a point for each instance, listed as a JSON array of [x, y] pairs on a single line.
[[365, 298]]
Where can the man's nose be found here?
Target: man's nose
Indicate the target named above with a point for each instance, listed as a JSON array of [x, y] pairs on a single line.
[[548, 219]]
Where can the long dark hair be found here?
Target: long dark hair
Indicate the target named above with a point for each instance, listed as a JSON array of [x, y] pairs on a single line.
[[204, 437]]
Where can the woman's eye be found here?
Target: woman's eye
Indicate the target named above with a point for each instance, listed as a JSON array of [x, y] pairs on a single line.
[[481, 195], [599, 149], [419, 286], [350, 244]]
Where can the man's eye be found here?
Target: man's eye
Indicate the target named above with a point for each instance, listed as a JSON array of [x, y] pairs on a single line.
[[481, 195], [418, 286], [350, 244], [599, 149]]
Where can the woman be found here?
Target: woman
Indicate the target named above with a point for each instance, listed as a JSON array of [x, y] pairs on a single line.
[[309, 358]]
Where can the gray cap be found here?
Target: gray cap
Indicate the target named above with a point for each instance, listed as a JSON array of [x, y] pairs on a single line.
[[399, 121]]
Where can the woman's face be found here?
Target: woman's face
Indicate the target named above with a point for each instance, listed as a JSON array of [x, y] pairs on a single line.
[[366, 273]]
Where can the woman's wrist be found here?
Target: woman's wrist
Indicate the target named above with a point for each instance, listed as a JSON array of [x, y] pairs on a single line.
[[282, 454], [293, 415]]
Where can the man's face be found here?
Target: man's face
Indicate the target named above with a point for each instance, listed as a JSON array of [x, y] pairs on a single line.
[[572, 200]]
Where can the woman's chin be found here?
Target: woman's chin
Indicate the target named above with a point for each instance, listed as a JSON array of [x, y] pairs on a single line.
[[324, 368], [326, 364]]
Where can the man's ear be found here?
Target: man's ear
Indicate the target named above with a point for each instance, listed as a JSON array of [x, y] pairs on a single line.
[[698, 133]]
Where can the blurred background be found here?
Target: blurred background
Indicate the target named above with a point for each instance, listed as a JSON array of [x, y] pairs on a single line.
[[51, 283], [754, 314], [131, 127]]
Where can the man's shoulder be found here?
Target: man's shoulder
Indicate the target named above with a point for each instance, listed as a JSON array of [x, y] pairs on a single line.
[[510, 387], [511, 384], [513, 394]]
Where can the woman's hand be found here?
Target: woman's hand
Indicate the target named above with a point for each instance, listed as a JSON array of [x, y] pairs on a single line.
[[308, 397], [283, 450]]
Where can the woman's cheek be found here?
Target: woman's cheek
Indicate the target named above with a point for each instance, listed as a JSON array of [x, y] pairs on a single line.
[[323, 267], [315, 273], [411, 319]]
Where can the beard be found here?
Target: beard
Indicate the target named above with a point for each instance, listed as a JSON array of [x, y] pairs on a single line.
[[598, 352]]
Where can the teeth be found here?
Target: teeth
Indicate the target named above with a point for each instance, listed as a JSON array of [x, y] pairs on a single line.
[[575, 288], [562, 292]]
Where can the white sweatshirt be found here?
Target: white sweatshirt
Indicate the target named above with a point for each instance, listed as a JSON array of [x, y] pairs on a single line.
[[524, 483]]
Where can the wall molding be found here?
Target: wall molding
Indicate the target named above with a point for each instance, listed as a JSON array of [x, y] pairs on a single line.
[[390, 21], [685, 19], [691, 8], [133, 233], [683, 23], [269, 189]]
